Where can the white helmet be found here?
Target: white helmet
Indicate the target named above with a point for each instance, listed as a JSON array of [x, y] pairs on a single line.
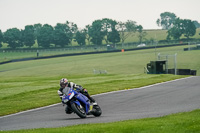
[[63, 81]]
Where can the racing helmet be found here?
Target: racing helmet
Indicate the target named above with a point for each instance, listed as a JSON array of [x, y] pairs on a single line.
[[63, 82]]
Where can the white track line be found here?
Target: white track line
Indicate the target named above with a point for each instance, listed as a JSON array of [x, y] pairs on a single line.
[[30, 110], [94, 95]]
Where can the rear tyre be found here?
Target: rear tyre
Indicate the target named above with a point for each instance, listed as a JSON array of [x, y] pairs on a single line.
[[78, 110], [97, 111]]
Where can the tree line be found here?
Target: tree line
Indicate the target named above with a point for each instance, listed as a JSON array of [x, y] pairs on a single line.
[[62, 34], [111, 31], [176, 26]]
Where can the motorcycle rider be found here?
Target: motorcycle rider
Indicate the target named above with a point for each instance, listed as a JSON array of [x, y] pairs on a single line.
[[65, 83]]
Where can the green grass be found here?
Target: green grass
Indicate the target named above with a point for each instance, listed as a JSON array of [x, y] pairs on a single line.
[[33, 80], [112, 62], [27, 93], [187, 122]]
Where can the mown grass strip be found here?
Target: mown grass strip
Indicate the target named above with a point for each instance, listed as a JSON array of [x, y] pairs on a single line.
[[187, 122]]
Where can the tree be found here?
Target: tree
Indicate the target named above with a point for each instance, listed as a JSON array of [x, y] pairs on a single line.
[[28, 36], [96, 32], [88, 38], [60, 35], [106, 28], [122, 32], [1, 38], [80, 37], [189, 28], [126, 29], [45, 36], [37, 28], [13, 38], [180, 27], [177, 30], [113, 36], [142, 33], [71, 29], [166, 20], [197, 24]]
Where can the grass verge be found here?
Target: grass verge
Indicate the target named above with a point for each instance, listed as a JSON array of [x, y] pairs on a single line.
[[187, 122]]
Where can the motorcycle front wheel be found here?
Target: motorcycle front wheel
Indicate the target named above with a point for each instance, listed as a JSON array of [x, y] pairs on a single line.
[[78, 110]]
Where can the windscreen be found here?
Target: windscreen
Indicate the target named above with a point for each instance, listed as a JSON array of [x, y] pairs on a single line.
[[66, 90]]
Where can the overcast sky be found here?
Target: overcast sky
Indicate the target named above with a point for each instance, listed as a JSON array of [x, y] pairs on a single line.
[[19, 13]]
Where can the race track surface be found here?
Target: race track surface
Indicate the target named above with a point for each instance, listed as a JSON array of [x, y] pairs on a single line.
[[151, 101]]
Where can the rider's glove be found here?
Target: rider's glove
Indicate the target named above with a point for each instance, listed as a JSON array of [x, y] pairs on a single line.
[[84, 90]]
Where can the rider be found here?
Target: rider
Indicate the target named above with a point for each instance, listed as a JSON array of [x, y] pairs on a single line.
[[64, 83]]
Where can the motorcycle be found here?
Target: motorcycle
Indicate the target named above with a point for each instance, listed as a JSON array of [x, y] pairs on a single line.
[[78, 103]]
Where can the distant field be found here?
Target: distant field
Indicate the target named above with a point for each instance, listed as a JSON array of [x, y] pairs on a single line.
[[158, 35]]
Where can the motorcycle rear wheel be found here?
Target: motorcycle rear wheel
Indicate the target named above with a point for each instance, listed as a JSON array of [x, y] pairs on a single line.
[[97, 111], [79, 111]]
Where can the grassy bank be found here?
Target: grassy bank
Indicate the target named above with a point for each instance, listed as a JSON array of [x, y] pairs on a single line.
[[27, 93]]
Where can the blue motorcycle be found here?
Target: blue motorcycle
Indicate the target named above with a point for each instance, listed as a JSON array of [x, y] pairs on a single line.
[[78, 103]]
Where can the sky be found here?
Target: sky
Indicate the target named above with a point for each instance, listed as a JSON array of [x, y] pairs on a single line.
[[19, 13]]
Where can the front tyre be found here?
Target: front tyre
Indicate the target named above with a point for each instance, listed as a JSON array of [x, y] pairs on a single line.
[[78, 110]]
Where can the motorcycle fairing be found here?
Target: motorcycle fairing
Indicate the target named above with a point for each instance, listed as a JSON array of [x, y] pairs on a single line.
[[80, 97]]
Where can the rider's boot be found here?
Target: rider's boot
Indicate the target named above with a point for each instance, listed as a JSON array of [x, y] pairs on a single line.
[[88, 96]]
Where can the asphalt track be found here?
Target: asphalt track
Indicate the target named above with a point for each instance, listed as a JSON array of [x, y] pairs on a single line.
[[151, 101]]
